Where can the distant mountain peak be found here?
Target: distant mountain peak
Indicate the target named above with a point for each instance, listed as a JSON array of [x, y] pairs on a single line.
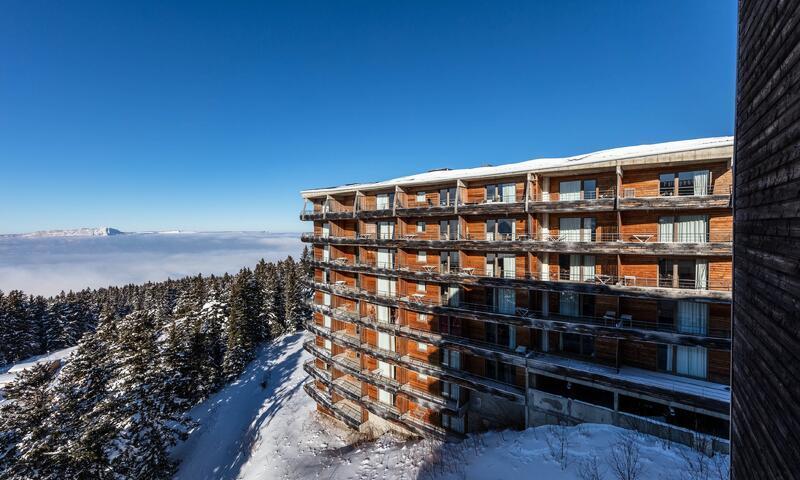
[[76, 232]]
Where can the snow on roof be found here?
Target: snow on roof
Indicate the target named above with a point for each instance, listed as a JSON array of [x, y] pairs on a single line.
[[537, 164]]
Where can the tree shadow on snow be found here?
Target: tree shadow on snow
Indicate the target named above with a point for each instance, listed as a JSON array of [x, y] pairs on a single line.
[[231, 421]]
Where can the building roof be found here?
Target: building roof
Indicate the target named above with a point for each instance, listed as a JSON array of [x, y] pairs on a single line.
[[621, 155]]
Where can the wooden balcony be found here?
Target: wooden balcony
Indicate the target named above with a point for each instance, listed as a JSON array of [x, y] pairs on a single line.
[[715, 244], [681, 198], [718, 291], [347, 413], [614, 326]]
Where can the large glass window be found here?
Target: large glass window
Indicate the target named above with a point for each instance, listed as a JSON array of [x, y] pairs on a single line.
[[447, 196]]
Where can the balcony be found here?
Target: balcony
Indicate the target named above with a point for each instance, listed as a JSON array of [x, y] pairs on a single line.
[[683, 197], [343, 410], [716, 242], [713, 290]]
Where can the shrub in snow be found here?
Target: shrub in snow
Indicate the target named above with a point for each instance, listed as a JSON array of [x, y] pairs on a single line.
[[591, 468], [625, 460], [557, 440]]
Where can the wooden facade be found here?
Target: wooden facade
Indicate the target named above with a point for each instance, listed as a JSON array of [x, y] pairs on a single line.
[[765, 422], [430, 293]]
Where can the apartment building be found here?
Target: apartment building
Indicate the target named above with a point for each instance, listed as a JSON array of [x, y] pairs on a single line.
[[594, 288]]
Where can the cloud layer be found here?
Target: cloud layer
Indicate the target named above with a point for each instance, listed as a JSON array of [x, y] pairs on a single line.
[[47, 266]]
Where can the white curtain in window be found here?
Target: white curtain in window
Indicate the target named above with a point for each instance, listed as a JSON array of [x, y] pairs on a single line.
[[506, 300], [701, 274], [509, 266], [575, 268], [328, 345], [588, 267], [382, 313], [570, 229], [326, 253], [452, 295], [385, 230], [692, 228], [326, 299], [568, 304], [509, 192], [422, 257], [385, 369], [326, 321], [691, 361], [387, 286], [383, 201], [665, 229], [385, 258], [385, 397], [386, 341], [692, 317], [326, 230], [570, 190], [701, 180]]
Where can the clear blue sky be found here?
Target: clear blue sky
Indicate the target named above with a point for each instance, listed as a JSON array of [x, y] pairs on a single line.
[[213, 115]]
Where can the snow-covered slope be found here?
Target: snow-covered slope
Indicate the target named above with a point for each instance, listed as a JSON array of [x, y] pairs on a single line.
[[249, 432], [8, 372]]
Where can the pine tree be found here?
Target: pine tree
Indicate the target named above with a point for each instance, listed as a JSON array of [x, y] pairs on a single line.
[[84, 413], [297, 309], [24, 425], [150, 418], [274, 311]]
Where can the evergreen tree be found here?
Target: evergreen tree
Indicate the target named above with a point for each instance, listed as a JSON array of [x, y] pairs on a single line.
[[84, 413], [274, 310], [150, 418], [24, 423]]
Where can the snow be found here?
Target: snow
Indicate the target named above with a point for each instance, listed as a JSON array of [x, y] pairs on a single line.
[[539, 164], [77, 232], [9, 372], [249, 432]]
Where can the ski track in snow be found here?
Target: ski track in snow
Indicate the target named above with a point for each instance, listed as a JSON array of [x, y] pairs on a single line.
[[249, 432]]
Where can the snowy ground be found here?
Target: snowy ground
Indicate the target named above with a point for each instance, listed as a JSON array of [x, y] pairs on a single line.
[[9, 372], [250, 432]]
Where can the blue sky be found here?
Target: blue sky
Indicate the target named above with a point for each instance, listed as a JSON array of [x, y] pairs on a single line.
[[213, 115]]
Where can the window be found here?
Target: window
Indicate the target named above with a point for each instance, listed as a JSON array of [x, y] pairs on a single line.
[[683, 273], [423, 317], [448, 229], [500, 229], [696, 182], [420, 227], [502, 265], [691, 361], [420, 197], [326, 321], [451, 358], [422, 377], [422, 347], [666, 184], [326, 299], [683, 229], [577, 344], [385, 258], [589, 189], [384, 201], [503, 192], [505, 300], [386, 341], [451, 390], [692, 318], [385, 230], [449, 262], [328, 345], [576, 268], [568, 304], [421, 287], [386, 287], [422, 256], [383, 314], [570, 190], [385, 397], [500, 371], [326, 229], [447, 196], [326, 253]]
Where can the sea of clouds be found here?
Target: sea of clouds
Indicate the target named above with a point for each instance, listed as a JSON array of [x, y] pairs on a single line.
[[48, 265]]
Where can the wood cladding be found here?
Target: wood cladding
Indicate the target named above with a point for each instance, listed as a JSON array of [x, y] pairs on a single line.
[[765, 410]]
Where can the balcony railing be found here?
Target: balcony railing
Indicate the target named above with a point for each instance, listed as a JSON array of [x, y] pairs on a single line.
[[596, 194], [671, 191], [583, 236]]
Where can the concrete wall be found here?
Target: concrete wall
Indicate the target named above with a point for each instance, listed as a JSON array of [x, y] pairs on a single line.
[[486, 411], [765, 433], [548, 409]]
